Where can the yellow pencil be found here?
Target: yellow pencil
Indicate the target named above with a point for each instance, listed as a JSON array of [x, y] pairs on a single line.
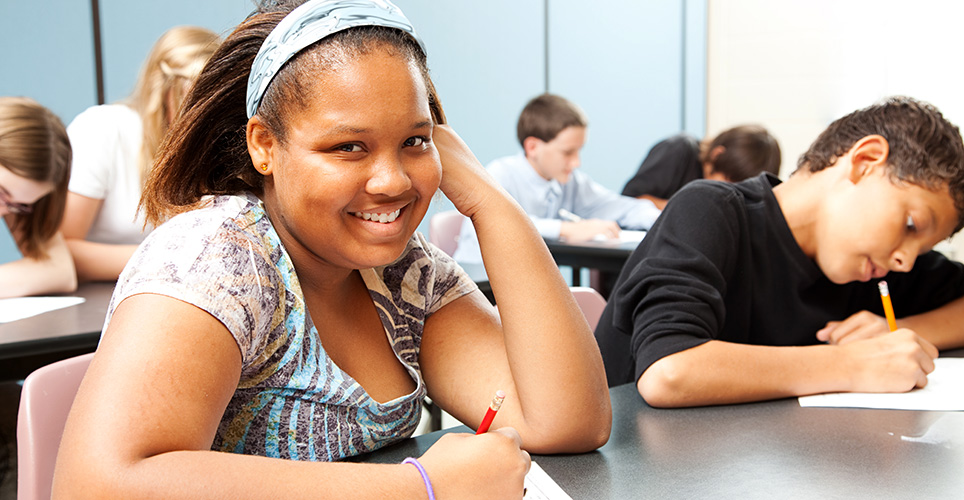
[[888, 306]]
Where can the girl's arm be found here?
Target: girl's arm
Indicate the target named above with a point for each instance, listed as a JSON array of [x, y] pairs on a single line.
[[146, 415], [538, 348], [93, 261], [33, 276]]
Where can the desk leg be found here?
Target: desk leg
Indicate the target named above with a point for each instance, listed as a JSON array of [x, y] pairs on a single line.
[[576, 276]]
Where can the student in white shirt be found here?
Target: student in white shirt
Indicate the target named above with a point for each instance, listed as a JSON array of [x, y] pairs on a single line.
[[544, 180], [114, 147]]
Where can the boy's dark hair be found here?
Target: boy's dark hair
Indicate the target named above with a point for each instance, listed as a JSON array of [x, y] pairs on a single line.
[[925, 148], [206, 151], [747, 151], [547, 115]]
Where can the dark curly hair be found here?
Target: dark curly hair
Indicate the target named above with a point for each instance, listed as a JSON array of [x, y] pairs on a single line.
[[925, 148]]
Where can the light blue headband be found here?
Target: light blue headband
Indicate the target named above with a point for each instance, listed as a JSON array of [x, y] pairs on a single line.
[[309, 23]]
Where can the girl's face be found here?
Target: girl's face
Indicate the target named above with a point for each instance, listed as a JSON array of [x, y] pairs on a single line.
[[358, 168], [18, 194]]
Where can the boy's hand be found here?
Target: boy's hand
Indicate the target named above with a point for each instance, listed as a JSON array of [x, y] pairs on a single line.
[[896, 362], [860, 326], [588, 229]]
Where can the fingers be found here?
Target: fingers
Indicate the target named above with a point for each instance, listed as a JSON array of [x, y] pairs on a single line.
[[859, 326], [510, 433], [825, 334]]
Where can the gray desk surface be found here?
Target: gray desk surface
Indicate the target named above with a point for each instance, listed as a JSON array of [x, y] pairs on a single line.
[[774, 449], [31, 342]]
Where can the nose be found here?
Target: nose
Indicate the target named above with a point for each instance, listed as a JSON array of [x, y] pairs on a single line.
[[902, 260], [388, 177], [576, 161]]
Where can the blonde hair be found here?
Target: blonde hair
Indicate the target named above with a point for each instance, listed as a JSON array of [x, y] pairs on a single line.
[[34, 145], [175, 60]]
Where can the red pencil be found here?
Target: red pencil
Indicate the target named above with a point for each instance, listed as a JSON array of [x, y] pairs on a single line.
[[490, 413]]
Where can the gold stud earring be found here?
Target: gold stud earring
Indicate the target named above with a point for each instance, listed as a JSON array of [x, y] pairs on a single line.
[[264, 167]]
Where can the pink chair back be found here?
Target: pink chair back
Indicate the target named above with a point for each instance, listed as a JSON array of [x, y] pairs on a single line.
[[45, 402], [443, 230], [591, 303]]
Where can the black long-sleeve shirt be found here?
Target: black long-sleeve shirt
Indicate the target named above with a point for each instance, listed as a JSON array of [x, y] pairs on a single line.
[[721, 263]]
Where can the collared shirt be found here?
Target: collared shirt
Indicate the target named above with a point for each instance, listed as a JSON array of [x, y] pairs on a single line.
[[542, 199]]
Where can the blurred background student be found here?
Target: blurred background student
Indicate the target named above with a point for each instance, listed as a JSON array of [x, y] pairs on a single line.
[[735, 154], [114, 148], [34, 170]]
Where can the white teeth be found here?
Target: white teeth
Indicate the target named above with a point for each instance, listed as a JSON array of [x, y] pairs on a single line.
[[383, 218]]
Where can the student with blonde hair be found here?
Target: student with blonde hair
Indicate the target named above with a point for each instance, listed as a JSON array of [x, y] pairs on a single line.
[[114, 148], [34, 169]]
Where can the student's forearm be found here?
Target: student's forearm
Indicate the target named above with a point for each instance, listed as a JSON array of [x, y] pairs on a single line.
[[943, 327], [552, 354], [99, 261], [724, 373], [28, 276], [213, 475]]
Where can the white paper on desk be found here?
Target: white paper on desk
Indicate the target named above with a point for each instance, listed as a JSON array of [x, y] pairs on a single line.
[[540, 486], [625, 236], [25, 307], [944, 392]]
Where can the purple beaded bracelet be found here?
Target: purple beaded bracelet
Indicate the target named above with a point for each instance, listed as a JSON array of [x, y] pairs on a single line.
[[421, 470]]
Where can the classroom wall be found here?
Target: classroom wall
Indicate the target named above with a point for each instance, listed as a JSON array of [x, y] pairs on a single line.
[[636, 67], [796, 66]]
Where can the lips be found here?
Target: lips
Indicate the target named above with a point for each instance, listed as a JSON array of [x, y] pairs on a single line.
[[383, 218]]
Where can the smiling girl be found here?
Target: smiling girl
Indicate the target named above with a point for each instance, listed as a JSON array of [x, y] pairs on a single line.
[[289, 310]]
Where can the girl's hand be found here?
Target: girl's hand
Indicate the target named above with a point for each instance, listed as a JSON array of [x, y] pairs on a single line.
[[491, 465], [464, 180]]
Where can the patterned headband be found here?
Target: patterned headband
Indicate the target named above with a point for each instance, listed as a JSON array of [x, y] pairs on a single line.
[[309, 23]]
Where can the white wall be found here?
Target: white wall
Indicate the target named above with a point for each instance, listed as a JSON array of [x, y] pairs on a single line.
[[794, 67]]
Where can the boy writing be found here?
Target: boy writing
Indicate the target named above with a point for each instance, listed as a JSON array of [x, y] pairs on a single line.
[[544, 180], [722, 301]]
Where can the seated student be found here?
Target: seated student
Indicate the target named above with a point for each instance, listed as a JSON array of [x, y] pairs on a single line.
[[114, 148], [34, 170], [722, 302], [544, 180], [295, 316], [735, 154]]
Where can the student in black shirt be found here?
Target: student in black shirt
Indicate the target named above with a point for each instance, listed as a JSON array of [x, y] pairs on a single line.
[[722, 301]]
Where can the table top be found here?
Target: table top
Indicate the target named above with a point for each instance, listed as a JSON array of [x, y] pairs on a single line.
[[67, 329], [603, 255], [773, 449]]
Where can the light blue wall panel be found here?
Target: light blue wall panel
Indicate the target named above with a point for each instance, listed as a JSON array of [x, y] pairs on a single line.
[[694, 67], [130, 28], [47, 53], [486, 60], [621, 61]]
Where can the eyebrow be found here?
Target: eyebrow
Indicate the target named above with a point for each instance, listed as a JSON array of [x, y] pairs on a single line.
[[342, 129]]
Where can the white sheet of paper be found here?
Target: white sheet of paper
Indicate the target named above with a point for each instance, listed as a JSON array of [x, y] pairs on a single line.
[[625, 236], [944, 392], [25, 307], [540, 486]]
